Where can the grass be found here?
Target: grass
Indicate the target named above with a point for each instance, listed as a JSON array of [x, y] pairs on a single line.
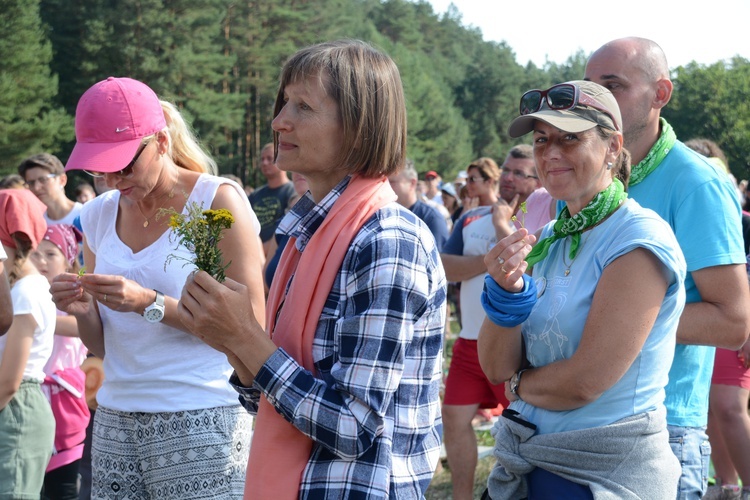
[[441, 487]]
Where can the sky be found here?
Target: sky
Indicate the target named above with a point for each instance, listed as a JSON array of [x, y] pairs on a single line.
[[540, 30]]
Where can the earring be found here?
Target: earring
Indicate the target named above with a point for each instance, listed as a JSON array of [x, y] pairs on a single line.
[[609, 165]]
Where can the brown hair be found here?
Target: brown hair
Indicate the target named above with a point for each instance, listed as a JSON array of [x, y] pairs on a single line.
[[621, 165], [707, 148], [12, 181], [48, 162], [366, 85], [521, 152], [22, 251]]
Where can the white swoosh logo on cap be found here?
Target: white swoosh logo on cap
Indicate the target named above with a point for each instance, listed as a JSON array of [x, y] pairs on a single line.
[[118, 129]]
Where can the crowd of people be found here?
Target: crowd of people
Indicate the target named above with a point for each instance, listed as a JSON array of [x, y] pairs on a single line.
[[603, 335]]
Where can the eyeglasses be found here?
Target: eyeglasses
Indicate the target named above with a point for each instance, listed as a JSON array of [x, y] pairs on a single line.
[[517, 174], [43, 180], [125, 172], [560, 97], [472, 180]]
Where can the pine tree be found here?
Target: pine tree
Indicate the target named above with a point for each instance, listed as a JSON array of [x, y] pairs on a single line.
[[29, 123]]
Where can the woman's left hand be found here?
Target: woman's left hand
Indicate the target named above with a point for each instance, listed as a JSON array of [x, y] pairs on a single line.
[[505, 261], [221, 314], [117, 293]]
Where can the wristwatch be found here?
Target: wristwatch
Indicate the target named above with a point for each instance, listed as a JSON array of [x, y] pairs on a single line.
[[515, 382], [155, 312]]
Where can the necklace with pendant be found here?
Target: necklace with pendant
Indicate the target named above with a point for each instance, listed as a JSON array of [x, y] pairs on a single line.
[[565, 261], [588, 232], [147, 221]]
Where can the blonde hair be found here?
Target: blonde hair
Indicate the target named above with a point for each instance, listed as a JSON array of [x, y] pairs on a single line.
[[184, 148], [487, 168]]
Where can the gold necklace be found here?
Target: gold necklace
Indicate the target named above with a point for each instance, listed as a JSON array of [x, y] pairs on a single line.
[[565, 262], [169, 197]]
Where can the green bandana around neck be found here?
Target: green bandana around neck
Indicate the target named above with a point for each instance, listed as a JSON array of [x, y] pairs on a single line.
[[603, 204], [658, 151]]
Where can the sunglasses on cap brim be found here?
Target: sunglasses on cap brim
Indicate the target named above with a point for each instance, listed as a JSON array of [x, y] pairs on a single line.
[[560, 97]]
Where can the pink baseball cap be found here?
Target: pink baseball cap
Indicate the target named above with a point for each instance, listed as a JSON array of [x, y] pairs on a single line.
[[112, 118]]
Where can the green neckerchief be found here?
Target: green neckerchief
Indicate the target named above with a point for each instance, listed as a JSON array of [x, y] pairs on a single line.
[[657, 153], [603, 204]]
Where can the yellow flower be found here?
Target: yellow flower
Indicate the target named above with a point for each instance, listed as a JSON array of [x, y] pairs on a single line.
[[220, 216], [200, 231]]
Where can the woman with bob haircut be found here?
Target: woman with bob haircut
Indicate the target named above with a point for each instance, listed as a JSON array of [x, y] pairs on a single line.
[[585, 340], [346, 387]]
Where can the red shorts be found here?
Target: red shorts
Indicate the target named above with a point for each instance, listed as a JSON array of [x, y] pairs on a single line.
[[729, 370], [466, 383]]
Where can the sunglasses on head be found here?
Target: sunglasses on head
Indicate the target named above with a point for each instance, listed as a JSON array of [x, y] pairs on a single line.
[[560, 97], [125, 172]]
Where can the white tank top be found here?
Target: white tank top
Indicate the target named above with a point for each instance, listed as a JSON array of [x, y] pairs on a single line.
[[152, 367]]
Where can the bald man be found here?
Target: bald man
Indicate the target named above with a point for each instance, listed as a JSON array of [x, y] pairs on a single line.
[[700, 204]]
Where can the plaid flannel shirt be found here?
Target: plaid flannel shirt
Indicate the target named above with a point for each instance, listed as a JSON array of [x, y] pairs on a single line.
[[373, 409]]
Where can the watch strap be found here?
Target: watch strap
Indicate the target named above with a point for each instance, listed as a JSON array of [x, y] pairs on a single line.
[[515, 382]]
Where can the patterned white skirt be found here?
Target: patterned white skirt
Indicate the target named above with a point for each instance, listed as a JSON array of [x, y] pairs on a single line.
[[186, 454]]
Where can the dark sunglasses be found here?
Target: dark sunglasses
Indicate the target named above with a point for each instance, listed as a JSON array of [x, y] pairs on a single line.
[[125, 172], [560, 97]]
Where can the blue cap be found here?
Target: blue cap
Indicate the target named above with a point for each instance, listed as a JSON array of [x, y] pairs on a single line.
[[448, 188]]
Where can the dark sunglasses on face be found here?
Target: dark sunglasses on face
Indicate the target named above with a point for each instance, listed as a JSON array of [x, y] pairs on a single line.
[[472, 180], [125, 172], [560, 97]]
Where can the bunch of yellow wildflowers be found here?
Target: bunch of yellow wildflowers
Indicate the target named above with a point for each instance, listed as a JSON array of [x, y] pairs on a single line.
[[200, 231]]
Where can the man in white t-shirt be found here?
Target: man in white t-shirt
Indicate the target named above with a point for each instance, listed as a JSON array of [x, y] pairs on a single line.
[[467, 388], [45, 177]]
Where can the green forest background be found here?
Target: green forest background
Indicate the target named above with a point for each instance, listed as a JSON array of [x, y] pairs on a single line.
[[219, 61]]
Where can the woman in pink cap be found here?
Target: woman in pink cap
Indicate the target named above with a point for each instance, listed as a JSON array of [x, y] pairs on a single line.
[[26, 423], [168, 424]]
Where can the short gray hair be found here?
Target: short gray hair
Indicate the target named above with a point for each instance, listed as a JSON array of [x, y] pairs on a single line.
[[409, 171]]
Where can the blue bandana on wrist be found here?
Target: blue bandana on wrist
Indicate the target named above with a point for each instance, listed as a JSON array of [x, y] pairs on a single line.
[[508, 309]]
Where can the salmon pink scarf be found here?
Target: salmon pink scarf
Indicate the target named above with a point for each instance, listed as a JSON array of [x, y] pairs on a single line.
[[280, 452]]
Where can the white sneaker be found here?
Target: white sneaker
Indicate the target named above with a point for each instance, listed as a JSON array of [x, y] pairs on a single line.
[[731, 492], [712, 493]]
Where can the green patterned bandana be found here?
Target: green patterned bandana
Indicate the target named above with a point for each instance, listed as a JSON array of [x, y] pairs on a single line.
[[654, 157], [603, 204]]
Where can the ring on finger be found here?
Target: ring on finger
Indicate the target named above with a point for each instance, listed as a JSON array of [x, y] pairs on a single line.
[[500, 261], [105, 297]]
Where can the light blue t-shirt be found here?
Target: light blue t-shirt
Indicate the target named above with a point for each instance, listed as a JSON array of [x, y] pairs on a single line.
[[554, 329], [699, 202]]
